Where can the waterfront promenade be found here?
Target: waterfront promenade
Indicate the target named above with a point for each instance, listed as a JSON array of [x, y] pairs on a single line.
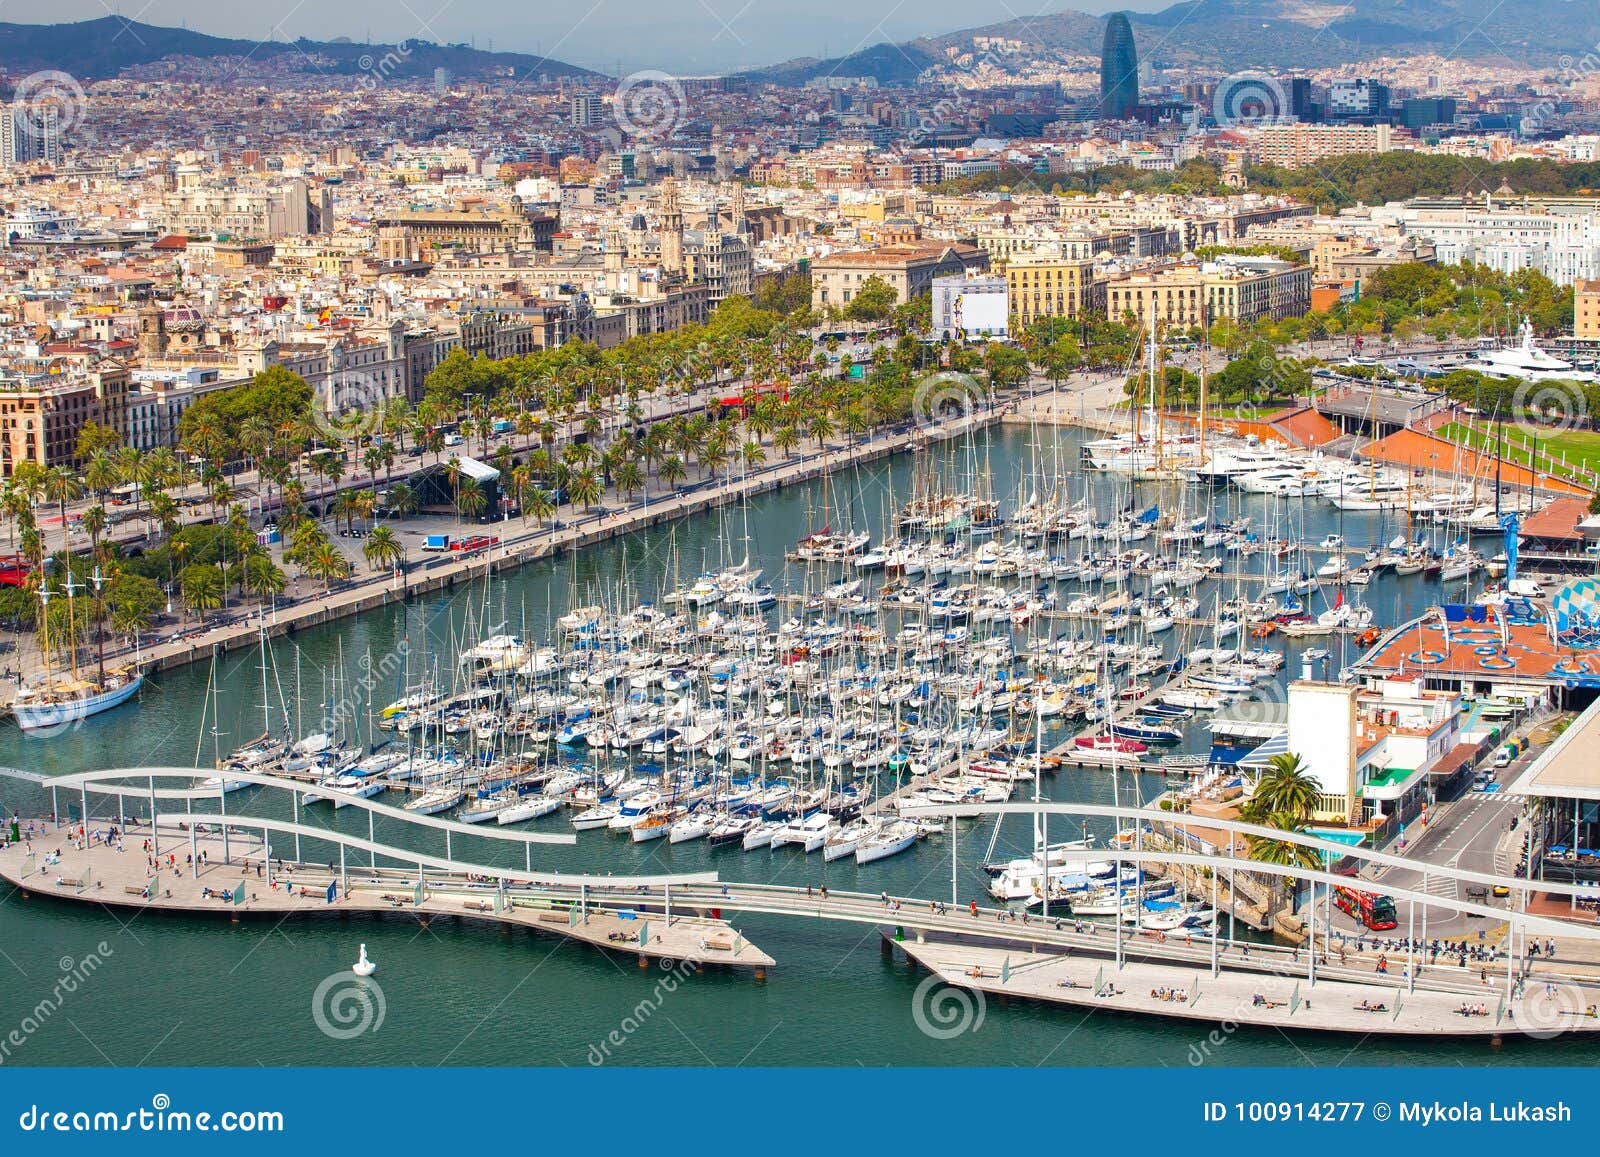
[[238, 880], [688, 916]]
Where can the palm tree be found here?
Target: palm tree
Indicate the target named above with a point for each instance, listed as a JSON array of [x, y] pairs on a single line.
[[583, 489], [94, 524], [101, 474], [383, 549], [164, 510], [672, 470], [61, 486], [1286, 788], [539, 504], [326, 563], [1265, 850], [470, 498], [629, 478], [262, 577], [202, 585], [402, 499], [785, 438]]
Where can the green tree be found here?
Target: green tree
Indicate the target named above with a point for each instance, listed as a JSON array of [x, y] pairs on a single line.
[[202, 586]]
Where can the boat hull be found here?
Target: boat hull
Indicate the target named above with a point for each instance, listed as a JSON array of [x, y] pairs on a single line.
[[47, 716]]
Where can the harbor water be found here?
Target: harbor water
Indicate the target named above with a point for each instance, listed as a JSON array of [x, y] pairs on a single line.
[[180, 990]]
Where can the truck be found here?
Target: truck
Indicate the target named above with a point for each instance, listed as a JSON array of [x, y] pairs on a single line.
[[436, 542], [474, 543]]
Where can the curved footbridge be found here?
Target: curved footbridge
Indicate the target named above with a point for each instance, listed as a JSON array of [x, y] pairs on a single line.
[[253, 864]]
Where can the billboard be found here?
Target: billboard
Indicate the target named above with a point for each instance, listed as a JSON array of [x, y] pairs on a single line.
[[970, 307]]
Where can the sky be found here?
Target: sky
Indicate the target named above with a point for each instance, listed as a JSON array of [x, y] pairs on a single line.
[[681, 36]]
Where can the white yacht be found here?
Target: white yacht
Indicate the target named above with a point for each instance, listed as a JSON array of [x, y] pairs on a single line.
[[1528, 362]]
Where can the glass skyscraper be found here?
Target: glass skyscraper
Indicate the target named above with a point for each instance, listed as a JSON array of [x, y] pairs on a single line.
[[1119, 69]]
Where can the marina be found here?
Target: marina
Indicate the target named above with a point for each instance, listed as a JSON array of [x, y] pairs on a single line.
[[693, 702]]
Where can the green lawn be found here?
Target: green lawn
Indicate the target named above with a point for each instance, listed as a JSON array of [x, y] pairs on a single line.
[[1581, 448]]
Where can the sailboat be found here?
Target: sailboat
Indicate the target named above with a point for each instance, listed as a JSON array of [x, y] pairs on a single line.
[[54, 703]]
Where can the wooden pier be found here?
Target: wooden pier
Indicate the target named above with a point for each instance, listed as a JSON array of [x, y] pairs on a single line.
[[1345, 1002], [246, 885]]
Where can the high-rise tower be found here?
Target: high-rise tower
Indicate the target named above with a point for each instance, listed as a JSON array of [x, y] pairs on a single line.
[[1119, 69]]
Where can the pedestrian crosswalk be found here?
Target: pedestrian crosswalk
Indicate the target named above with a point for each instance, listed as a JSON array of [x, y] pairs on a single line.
[[1445, 887]]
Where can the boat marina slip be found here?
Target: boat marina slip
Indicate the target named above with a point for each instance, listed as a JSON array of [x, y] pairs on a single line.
[[665, 745]]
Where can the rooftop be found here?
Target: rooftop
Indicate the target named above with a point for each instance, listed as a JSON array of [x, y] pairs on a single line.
[[1567, 769], [1474, 653]]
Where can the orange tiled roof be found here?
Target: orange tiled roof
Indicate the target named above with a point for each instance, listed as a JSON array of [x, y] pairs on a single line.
[[1419, 451]]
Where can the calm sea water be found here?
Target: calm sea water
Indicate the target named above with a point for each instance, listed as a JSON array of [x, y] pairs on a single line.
[[189, 991]]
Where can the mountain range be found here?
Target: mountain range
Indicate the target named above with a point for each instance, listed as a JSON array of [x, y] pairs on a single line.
[[1225, 35], [1231, 35], [103, 48]]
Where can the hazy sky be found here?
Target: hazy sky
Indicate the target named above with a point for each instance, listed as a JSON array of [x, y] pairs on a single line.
[[685, 36]]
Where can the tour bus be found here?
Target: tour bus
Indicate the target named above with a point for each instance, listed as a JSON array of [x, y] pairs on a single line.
[[1376, 912]]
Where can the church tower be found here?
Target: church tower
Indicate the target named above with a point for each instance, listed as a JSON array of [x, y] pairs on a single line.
[[671, 229], [152, 330], [613, 253]]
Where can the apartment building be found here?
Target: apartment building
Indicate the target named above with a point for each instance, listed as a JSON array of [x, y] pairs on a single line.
[[1237, 289], [908, 269], [1046, 285], [1298, 145]]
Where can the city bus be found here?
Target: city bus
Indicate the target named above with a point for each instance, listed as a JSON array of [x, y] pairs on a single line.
[[1376, 912]]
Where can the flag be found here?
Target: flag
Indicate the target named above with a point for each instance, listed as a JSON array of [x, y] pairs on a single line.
[[333, 890]]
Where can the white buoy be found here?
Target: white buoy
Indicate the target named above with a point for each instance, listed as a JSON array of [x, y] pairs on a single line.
[[363, 966]]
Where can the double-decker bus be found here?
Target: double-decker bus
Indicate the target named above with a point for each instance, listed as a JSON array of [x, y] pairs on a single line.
[[745, 401], [1376, 912]]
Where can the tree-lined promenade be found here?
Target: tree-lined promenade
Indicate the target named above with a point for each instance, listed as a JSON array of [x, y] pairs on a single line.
[[138, 538], [575, 427], [519, 541]]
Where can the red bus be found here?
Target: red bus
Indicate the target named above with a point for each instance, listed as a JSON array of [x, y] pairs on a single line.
[[1376, 912], [753, 395]]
